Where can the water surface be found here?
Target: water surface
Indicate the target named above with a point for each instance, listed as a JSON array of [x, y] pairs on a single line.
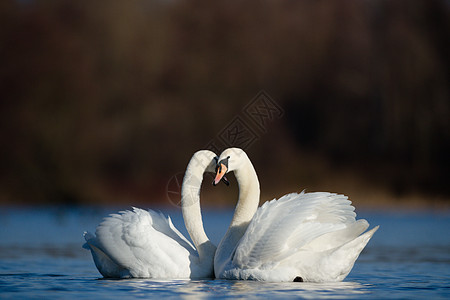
[[41, 257]]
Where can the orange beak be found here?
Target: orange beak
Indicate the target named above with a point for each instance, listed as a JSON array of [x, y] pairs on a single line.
[[220, 173]]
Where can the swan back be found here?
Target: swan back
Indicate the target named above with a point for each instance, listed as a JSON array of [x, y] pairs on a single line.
[[282, 227], [144, 243]]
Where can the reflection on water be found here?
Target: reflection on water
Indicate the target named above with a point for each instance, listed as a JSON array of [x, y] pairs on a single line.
[[223, 288], [41, 257], [305, 289]]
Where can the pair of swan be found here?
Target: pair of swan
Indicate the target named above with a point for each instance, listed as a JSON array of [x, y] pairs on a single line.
[[299, 237]]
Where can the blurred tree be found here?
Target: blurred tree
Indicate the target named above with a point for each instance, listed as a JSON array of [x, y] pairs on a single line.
[[104, 101]]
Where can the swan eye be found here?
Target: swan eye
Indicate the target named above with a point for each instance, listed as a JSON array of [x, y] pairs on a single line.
[[224, 162]]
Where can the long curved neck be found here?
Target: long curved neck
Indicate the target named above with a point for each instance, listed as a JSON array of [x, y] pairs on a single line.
[[248, 195], [245, 209], [190, 206]]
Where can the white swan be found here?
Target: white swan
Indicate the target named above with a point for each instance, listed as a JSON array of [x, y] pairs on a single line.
[[142, 243], [299, 237]]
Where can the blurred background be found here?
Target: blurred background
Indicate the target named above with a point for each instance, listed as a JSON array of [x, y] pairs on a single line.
[[104, 102]]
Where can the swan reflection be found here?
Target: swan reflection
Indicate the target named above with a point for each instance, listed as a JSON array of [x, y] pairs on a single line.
[[305, 289], [190, 289]]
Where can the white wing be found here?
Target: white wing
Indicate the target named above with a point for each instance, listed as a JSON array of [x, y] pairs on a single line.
[[280, 228], [141, 244]]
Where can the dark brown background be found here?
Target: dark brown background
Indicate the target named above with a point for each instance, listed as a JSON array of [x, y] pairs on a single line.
[[105, 101]]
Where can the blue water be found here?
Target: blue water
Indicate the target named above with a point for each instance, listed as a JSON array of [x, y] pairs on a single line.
[[41, 257]]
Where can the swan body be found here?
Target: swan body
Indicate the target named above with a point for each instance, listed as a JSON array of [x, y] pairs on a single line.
[[140, 243], [311, 237]]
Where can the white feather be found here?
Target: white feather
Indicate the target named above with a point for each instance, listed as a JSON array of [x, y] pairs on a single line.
[[140, 243], [143, 242], [314, 236], [281, 227]]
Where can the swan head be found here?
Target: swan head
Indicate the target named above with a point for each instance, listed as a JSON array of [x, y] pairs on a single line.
[[229, 160], [202, 161], [206, 159]]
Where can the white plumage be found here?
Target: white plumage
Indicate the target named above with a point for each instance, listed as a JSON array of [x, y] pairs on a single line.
[[140, 243], [307, 236], [312, 236]]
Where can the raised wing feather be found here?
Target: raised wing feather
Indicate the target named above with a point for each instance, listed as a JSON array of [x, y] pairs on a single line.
[[144, 242], [282, 227]]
